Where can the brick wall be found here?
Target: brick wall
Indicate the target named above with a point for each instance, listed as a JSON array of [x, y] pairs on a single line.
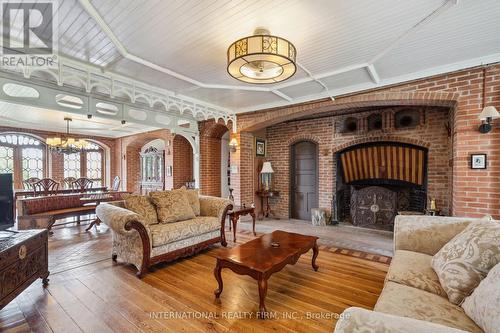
[[182, 161], [473, 192], [431, 133]]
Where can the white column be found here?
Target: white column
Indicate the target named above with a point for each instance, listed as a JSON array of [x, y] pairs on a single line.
[[196, 161]]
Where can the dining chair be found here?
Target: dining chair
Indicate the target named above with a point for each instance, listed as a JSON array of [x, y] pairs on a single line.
[[45, 186], [82, 183], [68, 182]]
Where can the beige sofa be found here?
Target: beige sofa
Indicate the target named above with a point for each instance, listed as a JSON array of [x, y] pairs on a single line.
[[144, 244], [412, 299]]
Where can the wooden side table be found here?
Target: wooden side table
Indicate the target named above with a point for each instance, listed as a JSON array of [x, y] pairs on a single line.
[[264, 199], [234, 216]]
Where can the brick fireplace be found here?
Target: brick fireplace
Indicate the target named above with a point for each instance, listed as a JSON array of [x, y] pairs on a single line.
[[424, 128]]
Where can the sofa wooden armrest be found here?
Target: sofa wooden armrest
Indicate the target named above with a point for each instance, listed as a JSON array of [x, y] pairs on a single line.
[[354, 320]]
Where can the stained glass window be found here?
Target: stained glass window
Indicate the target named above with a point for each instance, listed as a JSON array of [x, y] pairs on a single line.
[[6, 159], [23, 155], [72, 165], [94, 167], [32, 163]]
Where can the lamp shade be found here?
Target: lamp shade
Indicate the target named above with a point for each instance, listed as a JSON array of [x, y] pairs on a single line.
[[489, 112], [267, 168], [233, 142]]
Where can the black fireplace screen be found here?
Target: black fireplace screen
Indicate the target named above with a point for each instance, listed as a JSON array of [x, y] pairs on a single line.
[[376, 180]]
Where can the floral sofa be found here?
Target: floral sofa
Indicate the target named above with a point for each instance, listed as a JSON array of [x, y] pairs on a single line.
[[139, 238], [413, 299]]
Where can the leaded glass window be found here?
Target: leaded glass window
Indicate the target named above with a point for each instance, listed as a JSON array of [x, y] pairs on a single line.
[[23, 155], [94, 167], [32, 163], [72, 165], [6, 159]]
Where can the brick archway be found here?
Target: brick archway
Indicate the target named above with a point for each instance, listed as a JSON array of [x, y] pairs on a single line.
[[304, 137], [211, 134], [391, 138], [265, 118]]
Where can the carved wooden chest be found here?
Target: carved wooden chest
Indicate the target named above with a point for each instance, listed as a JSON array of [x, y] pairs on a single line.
[[23, 259]]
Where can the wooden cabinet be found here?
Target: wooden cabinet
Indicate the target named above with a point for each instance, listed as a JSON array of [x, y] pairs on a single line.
[[152, 170], [23, 259]]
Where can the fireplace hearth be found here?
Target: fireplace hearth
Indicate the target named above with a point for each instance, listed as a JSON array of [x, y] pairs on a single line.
[[375, 181]]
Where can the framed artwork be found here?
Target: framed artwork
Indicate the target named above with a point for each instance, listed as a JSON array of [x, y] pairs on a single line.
[[260, 147], [169, 171], [478, 161]]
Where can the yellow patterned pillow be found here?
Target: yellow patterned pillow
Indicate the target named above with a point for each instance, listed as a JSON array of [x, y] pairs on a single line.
[[172, 206], [194, 200], [143, 206], [466, 259]]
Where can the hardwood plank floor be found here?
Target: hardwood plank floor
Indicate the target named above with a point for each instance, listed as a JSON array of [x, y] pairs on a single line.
[[90, 293]]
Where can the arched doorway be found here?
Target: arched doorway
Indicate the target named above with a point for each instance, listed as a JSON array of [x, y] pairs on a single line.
[[303, 179], [214, 158]]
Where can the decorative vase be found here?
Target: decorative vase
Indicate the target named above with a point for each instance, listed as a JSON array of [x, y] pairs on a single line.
[[231, 197]]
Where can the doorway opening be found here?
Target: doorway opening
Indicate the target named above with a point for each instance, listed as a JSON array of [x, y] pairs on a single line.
[[303, 179]]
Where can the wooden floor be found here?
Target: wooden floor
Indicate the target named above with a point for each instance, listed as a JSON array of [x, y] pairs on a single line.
[[88, 293]]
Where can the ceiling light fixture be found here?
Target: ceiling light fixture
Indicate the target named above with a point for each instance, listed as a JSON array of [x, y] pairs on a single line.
[[261, 58], [65, 144]]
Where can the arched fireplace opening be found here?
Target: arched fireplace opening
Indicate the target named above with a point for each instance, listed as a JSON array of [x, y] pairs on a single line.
[[377, 180]]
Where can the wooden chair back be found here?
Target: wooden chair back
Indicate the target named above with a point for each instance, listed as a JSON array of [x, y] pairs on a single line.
[[45, 186], [68, 182], [28, 183], [82, 183]]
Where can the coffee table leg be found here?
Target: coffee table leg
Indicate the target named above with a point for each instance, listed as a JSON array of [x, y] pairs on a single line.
[[315, 255], [262, 296], [253, 222], [218, 277]]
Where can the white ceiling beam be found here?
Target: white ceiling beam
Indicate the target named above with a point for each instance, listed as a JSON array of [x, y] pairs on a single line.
[[435, 13], [92, 12], [439, 70], [373, 73], [282, 95]]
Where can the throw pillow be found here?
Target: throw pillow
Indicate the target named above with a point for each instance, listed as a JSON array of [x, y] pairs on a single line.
[[172, 206], [483, 305], [143, 206], [194, 200], [467, 258]]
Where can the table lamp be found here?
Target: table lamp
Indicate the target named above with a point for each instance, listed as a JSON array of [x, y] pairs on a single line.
[[266, 176]]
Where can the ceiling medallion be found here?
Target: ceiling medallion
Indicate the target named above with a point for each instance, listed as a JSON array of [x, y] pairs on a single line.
[[66, 144], [261, 58]]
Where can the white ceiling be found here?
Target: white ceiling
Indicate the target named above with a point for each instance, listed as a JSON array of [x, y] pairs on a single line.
[[16, 115], [348, 45]]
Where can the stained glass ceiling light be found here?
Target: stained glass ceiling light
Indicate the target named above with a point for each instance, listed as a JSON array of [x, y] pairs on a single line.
[[66, 144], [261, 58]]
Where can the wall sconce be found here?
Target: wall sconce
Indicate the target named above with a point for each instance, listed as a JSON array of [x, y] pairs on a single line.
[[233, 144], [489, 113], [487, 116]]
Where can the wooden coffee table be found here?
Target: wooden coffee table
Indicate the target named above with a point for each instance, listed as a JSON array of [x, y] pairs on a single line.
[[259, 259]]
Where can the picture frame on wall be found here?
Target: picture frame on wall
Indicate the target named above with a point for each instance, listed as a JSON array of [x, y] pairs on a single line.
[[169, 171], [260, 147], [478, 161]]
